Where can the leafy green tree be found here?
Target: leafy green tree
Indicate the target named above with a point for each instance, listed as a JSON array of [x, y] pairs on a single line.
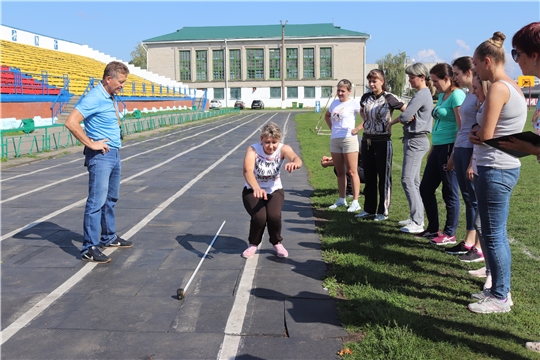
[[138, 56], [394, 71]]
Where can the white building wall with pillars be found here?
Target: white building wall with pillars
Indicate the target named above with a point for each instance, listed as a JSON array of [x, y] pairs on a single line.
[[348, 56]]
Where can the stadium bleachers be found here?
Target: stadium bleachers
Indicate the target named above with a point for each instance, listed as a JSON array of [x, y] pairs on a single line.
[[42, 66]]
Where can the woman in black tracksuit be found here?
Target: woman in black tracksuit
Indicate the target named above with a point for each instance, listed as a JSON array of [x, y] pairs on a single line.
[[376, 109]]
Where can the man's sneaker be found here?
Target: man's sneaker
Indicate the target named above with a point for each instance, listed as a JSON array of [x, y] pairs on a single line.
[[480, 273], [95, 255], [281, 251], [121, 243], [459, 249], [487, 293], [443, 239], [427, 234], [250, 251], [364, 215], [491, 305], [472, 255], [337, 204], [413, 228], [355, 206], [380, 217]]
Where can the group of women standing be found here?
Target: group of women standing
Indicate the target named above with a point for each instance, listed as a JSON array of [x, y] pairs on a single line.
[[459, 124]]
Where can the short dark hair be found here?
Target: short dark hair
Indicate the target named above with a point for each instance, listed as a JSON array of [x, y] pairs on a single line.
[[114, 68], [527, 39]]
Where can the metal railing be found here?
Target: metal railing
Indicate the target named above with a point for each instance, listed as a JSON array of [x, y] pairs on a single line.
[[57, 136], [15, 82], [61, 100]]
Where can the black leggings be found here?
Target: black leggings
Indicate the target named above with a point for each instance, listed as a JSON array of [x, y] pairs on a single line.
[[264, 212]]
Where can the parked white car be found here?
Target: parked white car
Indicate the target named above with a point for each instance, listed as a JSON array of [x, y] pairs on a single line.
[[215, 104]]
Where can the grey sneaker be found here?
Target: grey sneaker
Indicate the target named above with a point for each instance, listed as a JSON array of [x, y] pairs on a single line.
[[487, 293], [491, 305]]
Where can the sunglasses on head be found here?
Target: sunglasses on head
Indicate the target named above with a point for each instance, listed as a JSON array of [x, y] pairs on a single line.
[[516, 54]]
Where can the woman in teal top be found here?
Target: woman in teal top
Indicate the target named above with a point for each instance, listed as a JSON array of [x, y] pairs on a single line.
[[446, 122]]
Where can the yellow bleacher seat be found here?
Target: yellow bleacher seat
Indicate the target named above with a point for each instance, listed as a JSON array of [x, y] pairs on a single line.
[[33, 60]]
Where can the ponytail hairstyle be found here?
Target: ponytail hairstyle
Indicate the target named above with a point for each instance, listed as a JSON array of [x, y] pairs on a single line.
[[492, 48], [419, 69], [443, 70], [464, 63], [377, 74], [346, 83]]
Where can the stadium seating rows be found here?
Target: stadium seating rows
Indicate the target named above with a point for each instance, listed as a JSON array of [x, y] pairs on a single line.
[[40, 63]]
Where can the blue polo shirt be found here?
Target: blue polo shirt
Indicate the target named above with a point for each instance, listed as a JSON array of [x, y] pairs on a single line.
[[100, 121]]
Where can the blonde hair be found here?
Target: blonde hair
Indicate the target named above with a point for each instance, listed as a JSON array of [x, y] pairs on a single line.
[[271, 130], [492, 48]]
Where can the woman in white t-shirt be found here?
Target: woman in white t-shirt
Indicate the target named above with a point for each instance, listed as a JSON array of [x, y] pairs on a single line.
[[341, 119]]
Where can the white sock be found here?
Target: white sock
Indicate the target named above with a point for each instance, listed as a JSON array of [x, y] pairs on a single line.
[[487, 285], [354, 202]]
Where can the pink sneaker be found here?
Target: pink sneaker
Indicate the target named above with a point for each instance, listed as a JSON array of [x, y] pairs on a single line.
[[250, 251], [281, 251], [443, 239]]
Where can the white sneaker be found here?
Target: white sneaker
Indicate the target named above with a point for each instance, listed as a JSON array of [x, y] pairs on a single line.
[[405, 222], [337, 204], [381, 217], [412, 228], [364, 215], [355, 206]]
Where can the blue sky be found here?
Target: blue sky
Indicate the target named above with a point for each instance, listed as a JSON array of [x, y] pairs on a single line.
[[426, 30]]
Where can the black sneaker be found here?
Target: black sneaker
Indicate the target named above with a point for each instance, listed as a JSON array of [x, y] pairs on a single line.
[[121, 243], [95, 255], [472, 255], [459, 249], [427, 235]]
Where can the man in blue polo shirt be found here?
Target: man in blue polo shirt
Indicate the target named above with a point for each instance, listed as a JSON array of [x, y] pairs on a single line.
[[101, 138]]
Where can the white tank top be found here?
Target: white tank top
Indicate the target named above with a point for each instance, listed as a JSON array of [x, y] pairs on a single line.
[[267, 169]]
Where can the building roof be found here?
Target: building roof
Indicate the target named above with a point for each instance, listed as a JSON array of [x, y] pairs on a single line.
[[254, 32]]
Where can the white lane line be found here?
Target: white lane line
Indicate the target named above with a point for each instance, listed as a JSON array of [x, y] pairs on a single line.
[[235, 322], [37, 309], [80, 202], [123, 160], [123, 147]]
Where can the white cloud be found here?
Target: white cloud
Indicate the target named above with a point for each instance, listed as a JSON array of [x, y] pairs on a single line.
[[428, 55], [462, 50], [463, 44]]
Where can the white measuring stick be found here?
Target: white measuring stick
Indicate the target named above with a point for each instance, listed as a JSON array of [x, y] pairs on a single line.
[[204, 256]]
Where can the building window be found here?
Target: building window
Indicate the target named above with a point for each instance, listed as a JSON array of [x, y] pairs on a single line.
[[309, 63], [292, 63], [218, 65], [219, 93], [292, 92], [236, 93], [326, 91], [275, 93], [275, 64], [185, 65], [326, 62], [235, 65], [202, 64], [309, 92], [255, 63]]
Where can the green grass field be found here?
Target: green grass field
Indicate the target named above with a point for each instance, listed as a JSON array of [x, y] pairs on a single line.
[[400, 297]]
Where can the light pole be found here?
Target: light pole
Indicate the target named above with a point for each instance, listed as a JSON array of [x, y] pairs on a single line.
[[283, 60], [226, 77]]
